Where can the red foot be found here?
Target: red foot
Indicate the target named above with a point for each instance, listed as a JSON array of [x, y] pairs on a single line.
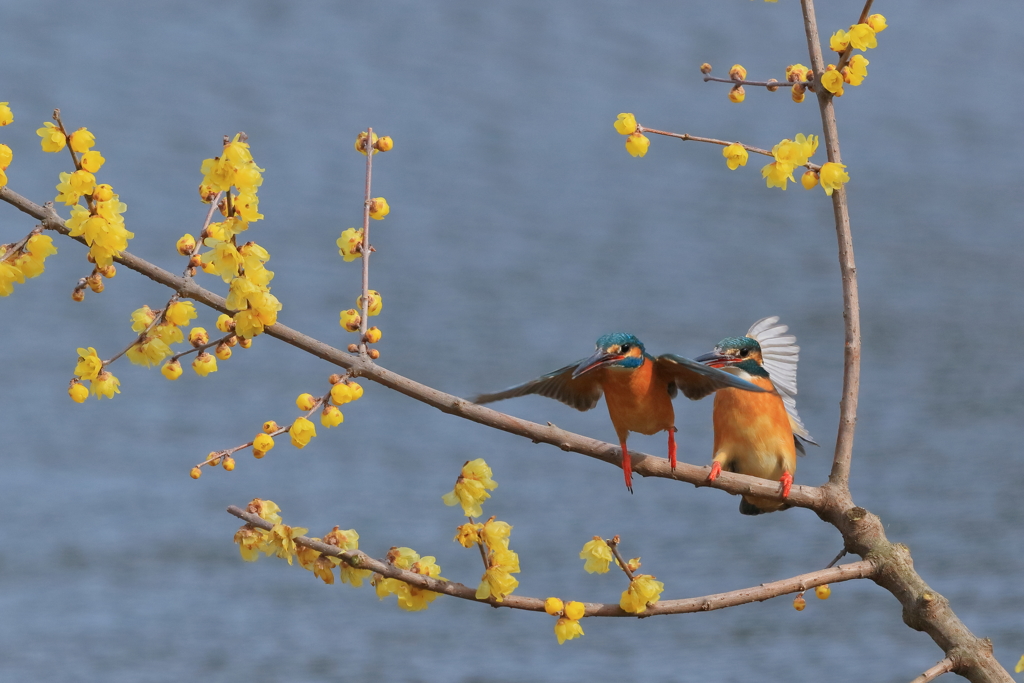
[[627, 468], [716, 469], [787, 483], [672, 447]]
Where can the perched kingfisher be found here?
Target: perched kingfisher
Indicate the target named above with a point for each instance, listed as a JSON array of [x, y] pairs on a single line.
[[758, 433], [638, 388]]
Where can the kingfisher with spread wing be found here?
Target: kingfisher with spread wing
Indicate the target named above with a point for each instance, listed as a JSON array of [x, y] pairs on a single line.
[[637, 387], [758, 434]]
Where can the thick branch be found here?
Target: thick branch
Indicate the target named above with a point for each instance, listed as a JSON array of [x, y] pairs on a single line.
[[357, 558], [643, 464]]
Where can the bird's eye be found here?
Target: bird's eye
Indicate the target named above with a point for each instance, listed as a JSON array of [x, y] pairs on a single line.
[[625, 348], [744, 352]]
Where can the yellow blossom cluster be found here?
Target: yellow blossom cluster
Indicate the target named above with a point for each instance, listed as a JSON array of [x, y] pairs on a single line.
[[90, 368], [643, 591], [471, 488], [323, 566], [27, 261], [99, 222], [157, 331], [636, 142], [860, 37], [569, 614], [788, 155], [242, 267], [410, 598], [279, 541], [302, 430]]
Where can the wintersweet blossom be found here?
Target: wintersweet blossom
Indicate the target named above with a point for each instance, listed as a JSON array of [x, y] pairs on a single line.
[[567, 629], [625, 124], [862, 37], [637, 144], [735, 156], [301, 432], [833, 82], [597, 555], [52, 139], [6, 115], [833, 177], [643, 591], [471, 488]]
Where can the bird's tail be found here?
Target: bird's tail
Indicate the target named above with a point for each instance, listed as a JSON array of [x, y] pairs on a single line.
[[748, 508]]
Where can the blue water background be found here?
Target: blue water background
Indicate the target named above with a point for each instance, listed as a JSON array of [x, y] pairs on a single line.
[[520, 231]]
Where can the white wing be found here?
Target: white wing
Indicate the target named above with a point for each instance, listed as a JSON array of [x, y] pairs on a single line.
[[779, 356]]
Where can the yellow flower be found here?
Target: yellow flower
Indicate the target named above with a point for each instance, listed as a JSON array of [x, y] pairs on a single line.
[[105, 385], [565, 628], [249, 541], [799, 603], [808, 146], [737, 94], [497, 582], [150, 351], [280, 541], [637, 144], [266, 509], [777, 173], [862, 37], [180, 313], [198, 336], [9, 274], [81, 140], [875, 21], [857, 71], [223, 351], [809, 180], [262, 443], [52, 139], [1020, 665], [375, 304], [344, 392], [186, 245], [224, 258], [833, 176], [468, 534], [822, 592], [301, 432], [350, 320], [78, 391], [331, 417], [225, 323], [3, 178], [349, 243], [103, 193], [738, 73], [305, 402], [89, 364], [840, 41], [92, 161], [625, 124], [735, 156], [553, 606], [575, 610], [6, 156], [6, 115], [597, 555], [471, 488], [643, 591], [373, 335], [361, 143], [171, 370], [204, 364], [385, 144], [495, 534], [379, 208], [796, 73]]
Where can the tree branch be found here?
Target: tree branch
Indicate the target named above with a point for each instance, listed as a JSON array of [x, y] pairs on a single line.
[[643, 464], [357, 558], [943, 667]]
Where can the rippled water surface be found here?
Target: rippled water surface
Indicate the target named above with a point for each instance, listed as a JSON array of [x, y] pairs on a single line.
[[520, 231]]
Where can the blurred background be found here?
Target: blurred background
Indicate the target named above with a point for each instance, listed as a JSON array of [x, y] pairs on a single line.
[[520, 231]]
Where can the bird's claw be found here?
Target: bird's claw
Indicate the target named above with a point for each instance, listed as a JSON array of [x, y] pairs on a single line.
[[787, 483], [716, 469]]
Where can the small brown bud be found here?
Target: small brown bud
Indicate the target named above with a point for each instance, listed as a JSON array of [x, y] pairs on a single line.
[[90, 258], [229, 463], [353, 348], [772, 88], [231, 341], [195, 262], [335, 378], [244, 343], [95, 282], [705, 68], [78, 294], [374, 354]]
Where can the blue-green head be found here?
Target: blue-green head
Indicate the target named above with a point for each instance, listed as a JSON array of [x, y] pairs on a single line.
[[615, 350], [740, 352]]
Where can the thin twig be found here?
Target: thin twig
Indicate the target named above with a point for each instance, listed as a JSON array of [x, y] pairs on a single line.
[[713, 141], [943, 667], [613, 543], [357, 558], [840, 475], [365, 247], [841, 555]]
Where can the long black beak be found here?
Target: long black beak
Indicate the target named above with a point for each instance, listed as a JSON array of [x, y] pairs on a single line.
[[599, 358], [715, 359]]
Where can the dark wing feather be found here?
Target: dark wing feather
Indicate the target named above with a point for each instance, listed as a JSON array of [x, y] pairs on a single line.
[[581, 393], [697, 380]]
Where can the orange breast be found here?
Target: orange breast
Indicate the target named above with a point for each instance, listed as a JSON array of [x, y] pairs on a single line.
[[752, 432], [638, 400]]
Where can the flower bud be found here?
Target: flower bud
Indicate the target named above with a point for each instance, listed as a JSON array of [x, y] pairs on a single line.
[[223, 351], [798, 92], [772, 88], [103, 193], [95, 282], [809, 180], [198, 336], [305, 402], [823, 592], [553, 606], [78, 294], [737, 73], [385, 144], [270, 426], [705, 68], [737, 94], [350, 320], [335, 378], [245, 343], [352, 348], [195, 473], [229, 463], [361, 143], [171, 370], [109, 271], [372, 335], [379, 208], [186, 245], [374, 354], [799, 603], [574, 610]]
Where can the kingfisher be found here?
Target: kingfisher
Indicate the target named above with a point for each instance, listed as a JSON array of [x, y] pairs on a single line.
[[637, 387], [758, 434]]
